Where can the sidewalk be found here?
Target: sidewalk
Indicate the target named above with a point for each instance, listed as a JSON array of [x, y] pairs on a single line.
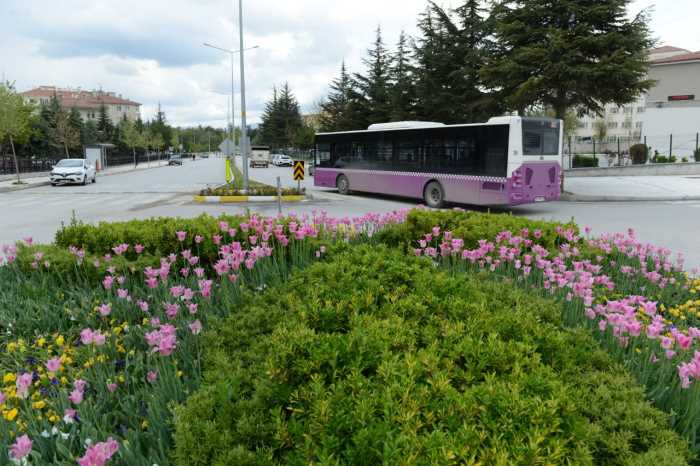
[[32, 181], [632, 188]]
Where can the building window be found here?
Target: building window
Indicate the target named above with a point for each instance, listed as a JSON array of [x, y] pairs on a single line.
[[119, 108], [582, 124], [627, 124], [638, 125], [640, 109], [614, 110], [628, 110], [612, 124], [612, 138]]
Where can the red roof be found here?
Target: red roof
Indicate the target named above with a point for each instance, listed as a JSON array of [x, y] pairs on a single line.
[[667, 49], [79, 98], [686, 57]]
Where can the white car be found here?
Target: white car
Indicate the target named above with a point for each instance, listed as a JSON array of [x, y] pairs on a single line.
[[73, 171], [281, 160]]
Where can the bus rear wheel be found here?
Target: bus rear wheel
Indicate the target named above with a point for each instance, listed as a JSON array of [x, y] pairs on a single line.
[[343, 184], [434, 195]]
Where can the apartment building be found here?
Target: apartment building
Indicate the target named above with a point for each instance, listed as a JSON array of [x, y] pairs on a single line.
[[88, 103], [631, 122]]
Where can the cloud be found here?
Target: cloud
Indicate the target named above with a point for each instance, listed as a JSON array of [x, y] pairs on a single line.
[[151, 51]]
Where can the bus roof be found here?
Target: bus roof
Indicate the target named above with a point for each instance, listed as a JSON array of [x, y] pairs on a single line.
[[410, 125]]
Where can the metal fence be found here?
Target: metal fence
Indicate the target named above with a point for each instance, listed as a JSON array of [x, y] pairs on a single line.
[[45, 164], [615, 151], [26, 165]]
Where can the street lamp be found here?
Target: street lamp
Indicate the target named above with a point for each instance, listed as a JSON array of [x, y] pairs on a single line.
[[231, 52]]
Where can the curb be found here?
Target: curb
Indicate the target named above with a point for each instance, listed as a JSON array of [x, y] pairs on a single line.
[[23, 187], [571, 197], [235, 199]]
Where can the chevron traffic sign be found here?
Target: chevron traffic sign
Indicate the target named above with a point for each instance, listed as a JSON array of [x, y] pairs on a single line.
[[298, 170]]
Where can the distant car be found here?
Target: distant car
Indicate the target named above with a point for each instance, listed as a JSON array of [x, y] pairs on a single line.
[[175, 159], [281, 160], [259, 156], [73, 171]]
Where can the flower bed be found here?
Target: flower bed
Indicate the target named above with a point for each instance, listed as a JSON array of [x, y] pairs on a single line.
[[374, 357], [91, 367], [636, 299], [102, 337]]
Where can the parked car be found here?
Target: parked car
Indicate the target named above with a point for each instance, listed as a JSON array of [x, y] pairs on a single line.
[[175, 159], [281, 160], [73, 171]]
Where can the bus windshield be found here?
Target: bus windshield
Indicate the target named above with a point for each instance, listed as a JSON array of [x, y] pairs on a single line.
[[540, 136]]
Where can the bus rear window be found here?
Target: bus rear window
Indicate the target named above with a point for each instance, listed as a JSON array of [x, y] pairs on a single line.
[[540, 137]]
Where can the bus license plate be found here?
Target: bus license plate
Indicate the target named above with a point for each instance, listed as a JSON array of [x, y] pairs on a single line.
[[539, 199]]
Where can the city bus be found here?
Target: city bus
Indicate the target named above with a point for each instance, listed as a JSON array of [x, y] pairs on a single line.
[[507, 161]]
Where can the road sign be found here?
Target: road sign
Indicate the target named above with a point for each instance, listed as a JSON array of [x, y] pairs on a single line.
[[227, 147], [298, 170]]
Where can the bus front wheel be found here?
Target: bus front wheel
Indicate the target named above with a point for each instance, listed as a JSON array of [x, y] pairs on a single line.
[[343, 184], [434, 195]]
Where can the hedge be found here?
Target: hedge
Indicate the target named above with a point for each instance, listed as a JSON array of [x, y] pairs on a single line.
[[375, 357]]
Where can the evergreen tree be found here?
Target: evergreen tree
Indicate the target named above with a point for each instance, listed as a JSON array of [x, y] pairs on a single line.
[[450, 54], [160, 126], [402, 95], [568, 54], [89, 133], [281, 119], [104, 125], [336, 109], [374, 100]]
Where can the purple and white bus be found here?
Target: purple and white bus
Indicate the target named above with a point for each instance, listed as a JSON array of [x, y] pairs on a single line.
[[506, 161]]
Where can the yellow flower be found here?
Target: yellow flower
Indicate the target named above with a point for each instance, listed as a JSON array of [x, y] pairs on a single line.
[[64, 381], [11, 414], [9, 378], [39, 404], [121, 379], [144, 425], [54, 419], [41, 342], [60, 340], [117, 330], [11, 347]]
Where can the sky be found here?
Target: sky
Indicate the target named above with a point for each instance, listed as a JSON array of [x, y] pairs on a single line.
[[151, 51]]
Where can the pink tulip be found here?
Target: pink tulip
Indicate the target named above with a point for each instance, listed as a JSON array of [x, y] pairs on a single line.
[[181, 235], [53, 365], [21, 447], [195, 327], [152, 376]]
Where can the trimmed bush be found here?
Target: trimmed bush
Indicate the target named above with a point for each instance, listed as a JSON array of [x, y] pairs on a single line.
[[696, 155], [581, 161], [379, 358], [639, 154]]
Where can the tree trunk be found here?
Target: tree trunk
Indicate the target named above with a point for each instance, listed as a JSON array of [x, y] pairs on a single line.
[[134, 150], [14, 156], [65, 146]]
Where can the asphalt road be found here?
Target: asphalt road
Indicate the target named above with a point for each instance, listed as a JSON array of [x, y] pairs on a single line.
[[167, 191]]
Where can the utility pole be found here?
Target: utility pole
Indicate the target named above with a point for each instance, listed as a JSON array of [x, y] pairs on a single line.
[[244, 128]]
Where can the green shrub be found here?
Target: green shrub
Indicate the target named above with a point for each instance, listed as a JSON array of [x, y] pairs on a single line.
[[581, 161], [378, 358], [467, 225], [663, 159], [639, 154]]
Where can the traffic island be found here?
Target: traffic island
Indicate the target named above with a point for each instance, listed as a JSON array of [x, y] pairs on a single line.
[[241, 198], [258, 192]]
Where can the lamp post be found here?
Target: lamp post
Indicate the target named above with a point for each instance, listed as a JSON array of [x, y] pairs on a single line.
[[244, 127], [231, 52]]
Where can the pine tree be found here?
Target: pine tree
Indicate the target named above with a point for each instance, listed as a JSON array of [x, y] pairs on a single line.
[[336, 107], [281, 119], [568, 54], [402, 92], [373, 99], [450, 53], [104, 125]]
